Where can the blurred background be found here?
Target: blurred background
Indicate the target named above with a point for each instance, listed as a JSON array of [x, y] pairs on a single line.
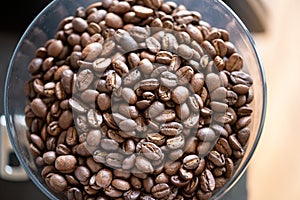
[[274, 171]]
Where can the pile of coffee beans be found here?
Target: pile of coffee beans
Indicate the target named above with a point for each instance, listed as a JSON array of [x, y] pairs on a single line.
[[137, 99]]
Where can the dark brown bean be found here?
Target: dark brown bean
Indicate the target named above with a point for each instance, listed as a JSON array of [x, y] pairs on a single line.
[[160, 190]]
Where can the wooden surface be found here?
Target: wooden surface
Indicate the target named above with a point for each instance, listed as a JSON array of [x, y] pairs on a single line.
[[274, 172]]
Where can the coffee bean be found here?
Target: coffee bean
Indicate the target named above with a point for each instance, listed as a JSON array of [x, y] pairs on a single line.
[[114, 160], [149, 84], [77, 106], [191, 162], [38, 107], [229, 167], [243, 135], [234, 62], [114, 21], [216, 158], [185, 51], [175, 142], [132, 195], [240, 77], [207, 181], [180, 94], [171, 128], [166, 116], [82, 174], [142, 12], [100, 64], [129, 95], [151, 151], [195, 33], [91, 51], [74, 193], [120, 184], [154, 4], [56, 182], [168, 79], [143, 165], [155, 109], [160, 190], [84, 79], [152, 44], [243, 122], [55, 48]]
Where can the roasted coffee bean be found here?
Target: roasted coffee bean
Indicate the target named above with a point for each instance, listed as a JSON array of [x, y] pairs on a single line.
[[176, 142], [229, 167], [185, 174], [135, 182], [218, 107], [132, 195], [128, 146], [77, 106], [104, 101], [168, 79], [179, 182], [192, 186], [175, 154], [91, 51], [39, 108], [234, 143], [114, 21], [206, 134], [132, 78], [127, 125], [49, 157], [212, 81], [101, 64], [243, 122], [114, 160], [109, 144], [82, 174], [166, 116], [191, 162], [112, 192], [216, 158], [142, 12], [65, 163], [223, 147], [234, 62], [171, 128], [120, 184], [152, 44], [160, 190], [143, 165], [56, 182], [84, 79], [240, 77], [74, 193], [129, 162], [185, 75], [156, 138], [180, 94], [204, 195], [94, 118], [148, 183], [149, 84], [207, 181], [161, 178], [151, 151], [104, 178], [244, 111], [243, 135]]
